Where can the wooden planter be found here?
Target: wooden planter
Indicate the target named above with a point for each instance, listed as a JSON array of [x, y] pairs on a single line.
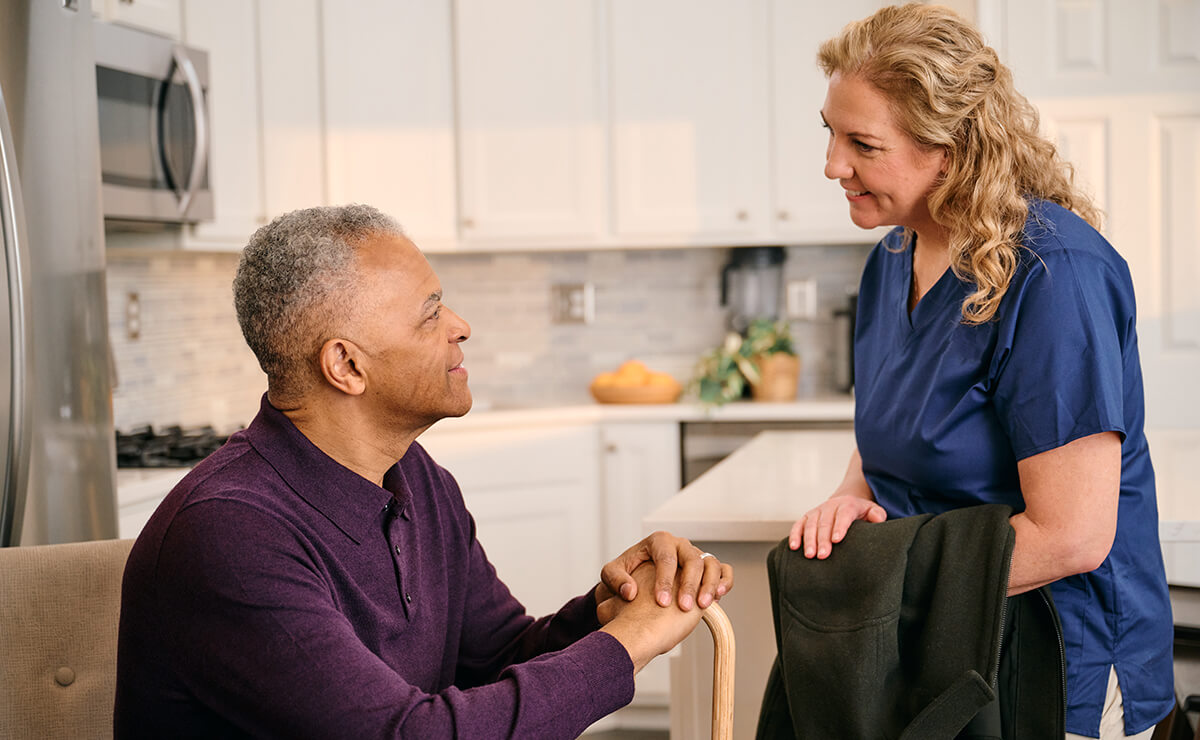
[[779, 377]]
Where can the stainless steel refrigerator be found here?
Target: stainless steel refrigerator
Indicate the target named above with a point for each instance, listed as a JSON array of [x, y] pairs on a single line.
[[56, 431]]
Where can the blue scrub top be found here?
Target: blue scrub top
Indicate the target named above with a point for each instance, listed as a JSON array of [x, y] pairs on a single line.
[[945, 410]]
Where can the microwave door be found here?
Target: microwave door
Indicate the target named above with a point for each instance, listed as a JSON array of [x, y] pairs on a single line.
[[182, 132]]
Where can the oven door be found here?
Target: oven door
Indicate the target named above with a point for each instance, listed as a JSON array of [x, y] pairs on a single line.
[[153, 127]]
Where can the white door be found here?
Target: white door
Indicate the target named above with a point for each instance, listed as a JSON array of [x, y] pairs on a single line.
[[807, 206], [389, 111], [227, 29], [293, 150], [531, 121], [689, 114], [1118, 86]]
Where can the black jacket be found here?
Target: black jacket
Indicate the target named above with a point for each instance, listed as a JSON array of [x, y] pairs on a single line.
[[898, 634]]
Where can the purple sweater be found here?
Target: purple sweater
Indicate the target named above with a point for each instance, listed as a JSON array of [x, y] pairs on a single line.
[[275, 593]]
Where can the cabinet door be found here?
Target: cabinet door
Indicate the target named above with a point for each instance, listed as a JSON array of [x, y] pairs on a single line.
[[1118, 89], [293, 152], [641, 469], [530, 120], [534, 494], [227, 29], [689, 117], [389, 111], [160, 16], [808, 206]]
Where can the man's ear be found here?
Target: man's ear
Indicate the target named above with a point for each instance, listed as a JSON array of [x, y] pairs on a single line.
[[340, 362]]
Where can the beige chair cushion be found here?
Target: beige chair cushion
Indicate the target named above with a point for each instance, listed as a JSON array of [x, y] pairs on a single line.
[[58, 638]]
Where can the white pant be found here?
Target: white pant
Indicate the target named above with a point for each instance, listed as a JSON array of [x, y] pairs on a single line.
[[1112, 721]]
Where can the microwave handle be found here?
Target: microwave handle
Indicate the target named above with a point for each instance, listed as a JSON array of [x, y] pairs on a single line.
[[200, 152]]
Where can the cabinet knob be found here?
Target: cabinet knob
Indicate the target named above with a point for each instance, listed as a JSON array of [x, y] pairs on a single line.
[[784, 215], [468, 223], [610, 448], [742, 215]]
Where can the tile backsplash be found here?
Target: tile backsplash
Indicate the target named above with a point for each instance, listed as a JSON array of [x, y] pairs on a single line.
[[190, 365]]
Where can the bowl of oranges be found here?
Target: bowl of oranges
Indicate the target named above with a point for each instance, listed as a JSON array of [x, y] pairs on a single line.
[[633, 382]]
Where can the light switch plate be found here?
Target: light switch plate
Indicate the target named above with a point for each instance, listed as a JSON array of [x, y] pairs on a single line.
[[802, 299]]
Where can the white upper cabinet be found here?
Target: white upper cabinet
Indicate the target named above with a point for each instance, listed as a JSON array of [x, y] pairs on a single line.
[[293, 151], [807, 206], [531, 121], [160, 16], [1093, 47], [688, 86], [266, 154], [389, 112], [227, 29]]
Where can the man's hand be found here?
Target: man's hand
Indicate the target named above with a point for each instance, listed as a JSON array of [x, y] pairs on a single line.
[[702, 578], [644, 628]]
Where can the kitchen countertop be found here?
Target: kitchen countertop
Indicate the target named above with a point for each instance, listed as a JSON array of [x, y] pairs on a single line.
[[756, 493], [831, 408], [139, 484]]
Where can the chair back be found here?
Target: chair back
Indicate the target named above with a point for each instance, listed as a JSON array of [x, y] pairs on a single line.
[[59, 606]]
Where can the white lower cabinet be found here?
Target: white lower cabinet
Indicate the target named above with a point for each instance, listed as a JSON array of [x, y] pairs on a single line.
[[553, 504], [535, 497], [641, 469]]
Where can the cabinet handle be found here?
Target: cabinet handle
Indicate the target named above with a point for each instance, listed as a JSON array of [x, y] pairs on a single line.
[[742, 215], [610, 448], [784, 215], [468, 223]]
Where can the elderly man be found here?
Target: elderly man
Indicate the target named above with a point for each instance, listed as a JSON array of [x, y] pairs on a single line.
[[319, 576]]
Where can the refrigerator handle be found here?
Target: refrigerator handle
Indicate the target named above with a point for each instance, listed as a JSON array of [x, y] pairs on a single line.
[[200, 114], [16, 256]]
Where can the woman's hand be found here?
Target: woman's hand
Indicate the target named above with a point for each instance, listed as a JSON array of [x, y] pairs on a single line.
[[826, 525]]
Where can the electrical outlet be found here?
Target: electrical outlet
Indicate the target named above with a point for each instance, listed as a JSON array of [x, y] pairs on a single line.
[[133, 316], [572, 303], [802, 299]]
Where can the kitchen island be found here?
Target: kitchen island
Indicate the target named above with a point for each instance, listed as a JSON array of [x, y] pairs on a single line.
[[746, 505]]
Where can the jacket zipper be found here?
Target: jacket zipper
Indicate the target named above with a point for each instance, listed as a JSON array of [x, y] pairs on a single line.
[[1062, 657], [999, 643]]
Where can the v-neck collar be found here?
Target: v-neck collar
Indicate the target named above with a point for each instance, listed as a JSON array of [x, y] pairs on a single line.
[[931, 304]]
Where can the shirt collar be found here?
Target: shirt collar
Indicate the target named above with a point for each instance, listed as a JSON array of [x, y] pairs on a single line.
[[352, 503]]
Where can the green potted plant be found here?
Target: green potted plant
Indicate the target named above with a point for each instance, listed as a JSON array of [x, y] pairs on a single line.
[[764, 359]]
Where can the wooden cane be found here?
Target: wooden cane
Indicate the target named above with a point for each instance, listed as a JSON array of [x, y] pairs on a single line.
[[723, 656]]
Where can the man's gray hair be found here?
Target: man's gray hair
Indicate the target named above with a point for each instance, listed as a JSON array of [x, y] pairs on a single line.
[[295, 279]]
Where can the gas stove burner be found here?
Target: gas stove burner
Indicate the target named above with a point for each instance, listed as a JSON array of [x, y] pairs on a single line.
[[170, 447]]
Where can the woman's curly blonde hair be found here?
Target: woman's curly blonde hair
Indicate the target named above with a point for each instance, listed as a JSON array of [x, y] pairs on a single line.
[[948, 90]]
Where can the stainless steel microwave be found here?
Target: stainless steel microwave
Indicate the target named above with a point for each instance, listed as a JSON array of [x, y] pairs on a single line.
[[153, 127]]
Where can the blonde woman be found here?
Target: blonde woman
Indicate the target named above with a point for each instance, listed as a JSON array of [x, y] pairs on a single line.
[[996, 356]]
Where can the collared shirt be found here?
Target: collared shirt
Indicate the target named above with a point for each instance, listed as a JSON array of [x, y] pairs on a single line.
[[276, 593], [944, 411]]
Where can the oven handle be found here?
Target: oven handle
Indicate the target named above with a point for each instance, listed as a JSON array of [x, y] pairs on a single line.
[[200, 113], [16, 256]]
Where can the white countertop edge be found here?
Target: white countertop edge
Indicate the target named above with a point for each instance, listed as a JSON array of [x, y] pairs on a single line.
[[821, 409]]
